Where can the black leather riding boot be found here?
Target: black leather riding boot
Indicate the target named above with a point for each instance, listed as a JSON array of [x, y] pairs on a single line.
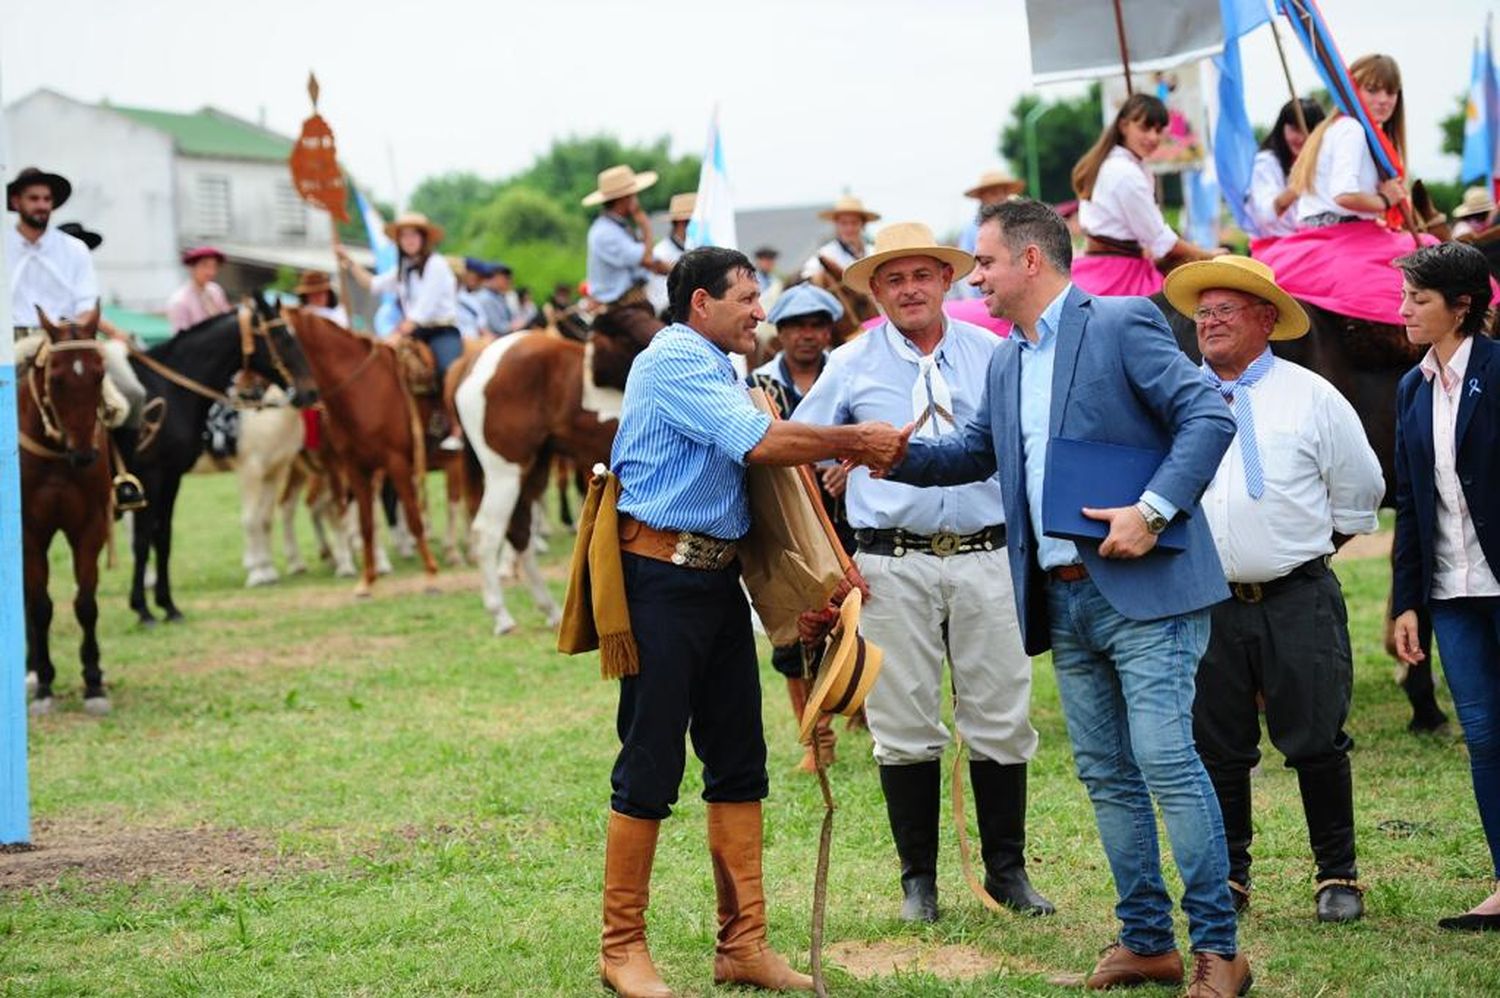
[[1328, 801], [1000, 808], [911, 802], [1233, 791]]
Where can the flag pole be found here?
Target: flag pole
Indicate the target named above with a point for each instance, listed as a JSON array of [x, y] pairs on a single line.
[[333, 223], [1124, 50], [1286, 71]]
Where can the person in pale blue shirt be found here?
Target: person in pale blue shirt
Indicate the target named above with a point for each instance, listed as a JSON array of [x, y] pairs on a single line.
[[936, 565], [619, 240]]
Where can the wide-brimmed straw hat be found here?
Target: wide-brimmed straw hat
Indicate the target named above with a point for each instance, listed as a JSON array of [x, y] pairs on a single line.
[[61, 189], [849, 205], [312, 282], [619, 182], [681, 208], [415, 220], [1477, 201], [990, 179], [848, 670], [901, 239], [193, 254], [1236, 273]]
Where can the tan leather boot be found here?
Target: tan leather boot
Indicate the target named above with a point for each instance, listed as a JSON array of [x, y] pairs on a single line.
[[624, 961], [824, 737], [743, 955]]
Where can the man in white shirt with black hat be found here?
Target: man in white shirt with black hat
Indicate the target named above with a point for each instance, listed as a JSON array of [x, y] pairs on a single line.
[[1297, 481]]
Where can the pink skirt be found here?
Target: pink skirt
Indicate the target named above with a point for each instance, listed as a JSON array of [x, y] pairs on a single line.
[[1116, 275], [1345, 268]]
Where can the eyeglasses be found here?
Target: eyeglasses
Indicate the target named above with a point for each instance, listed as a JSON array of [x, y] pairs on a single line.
[[1222, 313]]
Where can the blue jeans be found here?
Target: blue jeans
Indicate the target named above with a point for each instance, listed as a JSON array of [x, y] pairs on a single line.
[[1468, 637], [1127, 694], [446, 344]]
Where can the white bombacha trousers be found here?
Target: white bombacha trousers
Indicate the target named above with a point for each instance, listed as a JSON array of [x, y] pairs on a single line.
[[911, 597]]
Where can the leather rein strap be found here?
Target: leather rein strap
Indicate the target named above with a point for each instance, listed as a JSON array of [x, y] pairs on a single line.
[[965, 859], [250, 327]]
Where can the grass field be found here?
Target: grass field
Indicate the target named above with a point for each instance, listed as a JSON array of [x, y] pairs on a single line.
[[297, 794]]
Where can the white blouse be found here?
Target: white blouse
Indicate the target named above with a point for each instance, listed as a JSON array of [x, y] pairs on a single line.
[[428, 297], [1345, 166], [1267, 181], [1123, 205]]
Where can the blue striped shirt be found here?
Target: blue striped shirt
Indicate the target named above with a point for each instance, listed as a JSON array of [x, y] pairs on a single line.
[[686, 424], [614, 259]]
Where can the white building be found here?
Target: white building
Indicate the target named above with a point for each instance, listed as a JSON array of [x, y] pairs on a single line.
[[154, 183]]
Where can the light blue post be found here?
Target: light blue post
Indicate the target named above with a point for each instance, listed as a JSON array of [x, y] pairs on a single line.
[[15, 816]]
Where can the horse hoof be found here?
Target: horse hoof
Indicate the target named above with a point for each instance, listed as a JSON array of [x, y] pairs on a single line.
[[40, 707], [30, 683], [147, 621], [344, 572], [297, 569], [554, 619], [96, 706], [362, 590], [504, 627], [174, 617]]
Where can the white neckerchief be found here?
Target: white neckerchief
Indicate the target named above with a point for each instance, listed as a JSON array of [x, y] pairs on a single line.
[[931, 399]]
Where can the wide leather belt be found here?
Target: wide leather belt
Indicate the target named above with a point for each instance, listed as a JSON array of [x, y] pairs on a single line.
[[1106, 246], [1259, 592], [1069, 573], [678, 547], [1324, 219], [944, 543]]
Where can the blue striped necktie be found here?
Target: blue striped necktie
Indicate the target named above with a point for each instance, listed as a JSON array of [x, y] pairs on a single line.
[[1244, 416]]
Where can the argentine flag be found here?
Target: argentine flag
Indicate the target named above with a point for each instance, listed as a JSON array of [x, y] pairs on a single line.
[[1481, 118], [388, 312], [712, 223]]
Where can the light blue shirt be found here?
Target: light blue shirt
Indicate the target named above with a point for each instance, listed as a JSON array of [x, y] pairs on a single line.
[[614, 263], [495, 311], [871, 378], [686, 424], [1037, 363]]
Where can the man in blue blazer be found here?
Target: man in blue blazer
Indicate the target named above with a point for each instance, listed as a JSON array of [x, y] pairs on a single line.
[[1126, 623]]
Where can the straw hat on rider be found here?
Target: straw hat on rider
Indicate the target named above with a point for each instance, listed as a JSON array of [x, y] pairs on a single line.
[[996, 180], [681, 208], [619, 182], [1186, 283], [1477, 202], [847, 672], [904, 239], [313, 282], [849, 205], [61, 189], [415, 220]]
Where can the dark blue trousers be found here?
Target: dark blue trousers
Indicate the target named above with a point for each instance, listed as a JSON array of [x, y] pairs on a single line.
[[446, 344], [698, 677]]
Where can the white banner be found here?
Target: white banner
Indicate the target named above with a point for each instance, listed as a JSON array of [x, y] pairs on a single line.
[[1079, 39]]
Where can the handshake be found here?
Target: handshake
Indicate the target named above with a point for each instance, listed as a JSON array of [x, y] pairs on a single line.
[[877, 446]]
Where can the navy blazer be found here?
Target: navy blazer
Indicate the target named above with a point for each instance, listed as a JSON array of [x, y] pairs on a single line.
[[1120, 378], [1477, 440]]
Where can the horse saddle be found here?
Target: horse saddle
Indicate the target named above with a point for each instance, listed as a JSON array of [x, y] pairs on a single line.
[[418, 368], [620, 334]]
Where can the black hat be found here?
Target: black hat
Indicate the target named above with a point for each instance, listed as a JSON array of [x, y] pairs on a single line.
[[61, 189], [767, 251], [75, 229]]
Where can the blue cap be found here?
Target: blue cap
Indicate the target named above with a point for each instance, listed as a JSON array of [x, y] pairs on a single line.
[[804, 299], [474, 265]]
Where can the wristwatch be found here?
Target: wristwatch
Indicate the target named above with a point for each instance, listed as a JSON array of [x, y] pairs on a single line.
[[1155, 522]]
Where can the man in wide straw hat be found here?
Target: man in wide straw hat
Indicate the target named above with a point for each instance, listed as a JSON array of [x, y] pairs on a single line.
[[619, 241], [669, 248], [1297, 481], [935, 561], [849, 217], [991, 187]]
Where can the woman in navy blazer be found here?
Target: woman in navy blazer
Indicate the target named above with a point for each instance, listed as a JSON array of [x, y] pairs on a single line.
[[1448, 512]]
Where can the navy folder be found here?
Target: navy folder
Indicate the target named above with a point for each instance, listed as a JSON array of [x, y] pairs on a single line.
[[1098, 475]]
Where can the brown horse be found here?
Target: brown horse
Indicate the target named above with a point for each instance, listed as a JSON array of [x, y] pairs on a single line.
[[65, 487], [372, 427]]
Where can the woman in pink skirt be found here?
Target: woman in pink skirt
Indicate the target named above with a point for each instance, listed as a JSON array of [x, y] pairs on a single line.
[[1128, 245]]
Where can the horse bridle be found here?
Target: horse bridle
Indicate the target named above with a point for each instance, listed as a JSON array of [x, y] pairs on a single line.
[[51, 422], [251, 326]]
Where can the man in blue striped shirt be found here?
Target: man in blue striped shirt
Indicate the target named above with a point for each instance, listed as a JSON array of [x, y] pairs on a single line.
[[687, 430]]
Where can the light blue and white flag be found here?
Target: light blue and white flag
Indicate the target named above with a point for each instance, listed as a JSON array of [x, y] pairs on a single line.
[[1480, 125], [1234, 138], [388, 312], [712, 223]]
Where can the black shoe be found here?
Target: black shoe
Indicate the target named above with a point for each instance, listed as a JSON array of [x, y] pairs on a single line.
[[128, 494], [1340, 903], [1471, 923], [1000, 808], [911, 803]]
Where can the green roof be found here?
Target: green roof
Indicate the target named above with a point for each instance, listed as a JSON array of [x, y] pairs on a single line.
[[150, 327], [212, 133]]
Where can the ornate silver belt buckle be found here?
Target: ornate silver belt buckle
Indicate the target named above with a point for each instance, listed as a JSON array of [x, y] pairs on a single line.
[[944, 543], [1249, 592]]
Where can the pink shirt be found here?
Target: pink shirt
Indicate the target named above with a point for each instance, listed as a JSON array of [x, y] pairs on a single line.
[[1459, 567], [190, 305]]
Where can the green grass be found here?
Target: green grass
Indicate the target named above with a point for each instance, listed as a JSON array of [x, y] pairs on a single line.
[[431, 802]]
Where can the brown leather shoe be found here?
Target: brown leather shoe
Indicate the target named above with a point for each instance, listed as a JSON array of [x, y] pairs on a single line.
[[743, 956], [625, 965], [1121, 967], [1215, 976]]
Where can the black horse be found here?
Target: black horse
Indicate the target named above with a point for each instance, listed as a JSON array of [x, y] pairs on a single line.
[[188, 373]]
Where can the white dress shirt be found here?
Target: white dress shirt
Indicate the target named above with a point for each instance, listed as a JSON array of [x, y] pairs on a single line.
[[428, 297], [1267, 181], [1321, 478], [667, 251], [1344, 166], [835, 251], [1459, 567], [54, 272], [1123, 205]]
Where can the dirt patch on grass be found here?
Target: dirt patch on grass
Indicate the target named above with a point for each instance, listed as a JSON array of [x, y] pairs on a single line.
[[1377, 545], [100, 852], [296, 655], [865, 960]]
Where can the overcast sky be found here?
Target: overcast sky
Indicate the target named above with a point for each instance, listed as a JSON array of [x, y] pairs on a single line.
[[899, 102]]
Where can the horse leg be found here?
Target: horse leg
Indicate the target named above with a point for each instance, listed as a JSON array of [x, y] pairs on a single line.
[[162, 541], [256, 499], [142, 526], [502, 489], [86, 609], [364, 501], [406, 492], [563, 470], [38, 622], [532, 487], [456, 530], [287, 507]]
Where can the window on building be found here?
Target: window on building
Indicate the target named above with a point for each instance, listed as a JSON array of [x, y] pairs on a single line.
[[213, 208], [291, 212]]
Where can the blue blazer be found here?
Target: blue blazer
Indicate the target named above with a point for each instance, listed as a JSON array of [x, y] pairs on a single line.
[[1118, 377], [1477, 460]]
